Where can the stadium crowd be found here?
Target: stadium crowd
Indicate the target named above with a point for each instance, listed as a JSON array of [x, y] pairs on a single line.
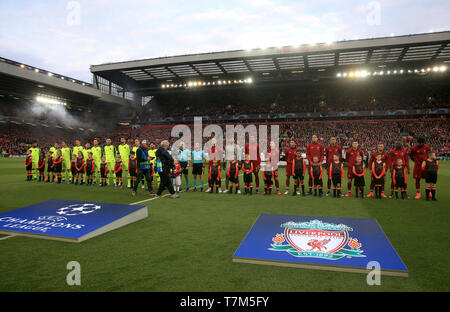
[[15, 139]]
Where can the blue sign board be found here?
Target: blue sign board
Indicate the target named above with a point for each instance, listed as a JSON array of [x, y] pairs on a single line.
[[343, 244], [69, 220]]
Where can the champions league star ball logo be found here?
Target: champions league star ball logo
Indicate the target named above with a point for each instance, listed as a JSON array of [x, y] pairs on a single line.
[[78, 209], [316, 239]]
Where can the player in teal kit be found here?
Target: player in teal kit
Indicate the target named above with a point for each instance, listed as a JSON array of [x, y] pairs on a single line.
[[185, 159], [198, 162]]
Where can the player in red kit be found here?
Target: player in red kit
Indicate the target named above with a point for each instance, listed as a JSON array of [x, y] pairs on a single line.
[[330, 151], [313, 149], [252, 149], [385, 158], [350, 158], [398, 152], [274, 154], [215, 153], [418, 154], [290, 154]]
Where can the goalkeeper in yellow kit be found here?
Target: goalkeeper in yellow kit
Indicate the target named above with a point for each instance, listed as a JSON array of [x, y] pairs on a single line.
[[97, 156], [77, 148], [109, 151], [152, 153], [86, 151], [35, 151], [124, 152], [65, 152]]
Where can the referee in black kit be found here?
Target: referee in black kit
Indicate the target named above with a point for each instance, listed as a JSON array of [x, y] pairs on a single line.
[[164, 170]]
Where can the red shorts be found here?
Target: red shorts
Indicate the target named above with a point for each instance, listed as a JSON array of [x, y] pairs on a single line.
[[417, 173], [288, 171], [329, 176], [256, 167], [350, 174]]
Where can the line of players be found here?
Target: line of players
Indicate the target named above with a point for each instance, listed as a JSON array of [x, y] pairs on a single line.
[[97, 162], [105, 165], [379, 164]]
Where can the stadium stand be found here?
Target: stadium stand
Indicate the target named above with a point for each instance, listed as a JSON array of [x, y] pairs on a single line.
[[322, 89]]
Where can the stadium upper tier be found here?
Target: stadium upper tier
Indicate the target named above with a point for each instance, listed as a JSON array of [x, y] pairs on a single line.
[[291, 64]]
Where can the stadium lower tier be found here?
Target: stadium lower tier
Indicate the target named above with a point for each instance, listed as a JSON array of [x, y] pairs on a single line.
[[16, 139]]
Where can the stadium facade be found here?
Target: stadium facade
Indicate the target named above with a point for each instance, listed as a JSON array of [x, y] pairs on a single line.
[[309, 62]]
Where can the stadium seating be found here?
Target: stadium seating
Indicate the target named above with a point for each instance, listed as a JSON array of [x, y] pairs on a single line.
[[15, 139]]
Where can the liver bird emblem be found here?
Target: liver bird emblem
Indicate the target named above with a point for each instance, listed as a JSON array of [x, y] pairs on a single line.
[[318, 244]]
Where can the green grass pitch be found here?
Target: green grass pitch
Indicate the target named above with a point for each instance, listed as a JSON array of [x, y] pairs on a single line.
[[187, 244]]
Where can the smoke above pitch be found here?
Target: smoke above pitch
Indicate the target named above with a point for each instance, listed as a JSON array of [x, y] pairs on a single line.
[[54, 114]]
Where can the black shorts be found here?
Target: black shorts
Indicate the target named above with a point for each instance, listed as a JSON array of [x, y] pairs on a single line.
[[318, 182], [80, 171], [233, 179], [133, 173], [213, 181], [336, 180], [197, 169], [379, 181], [359, 181], [58, 168], [248, 178], [430, 178], [184, 167], [49, 169], [118, 174], [298, 174], [299, 177], [400, 183]]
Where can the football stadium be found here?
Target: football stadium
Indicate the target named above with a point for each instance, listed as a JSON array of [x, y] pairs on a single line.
[[314, 167]]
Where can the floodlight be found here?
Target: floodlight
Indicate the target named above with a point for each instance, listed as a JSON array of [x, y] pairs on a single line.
[[45, 100]]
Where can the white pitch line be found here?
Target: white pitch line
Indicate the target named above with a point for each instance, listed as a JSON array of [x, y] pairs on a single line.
[[7, 237], [142, 201]]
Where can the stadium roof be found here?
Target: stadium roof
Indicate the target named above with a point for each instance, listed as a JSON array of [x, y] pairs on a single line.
[[309, 61], [21, 80]]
